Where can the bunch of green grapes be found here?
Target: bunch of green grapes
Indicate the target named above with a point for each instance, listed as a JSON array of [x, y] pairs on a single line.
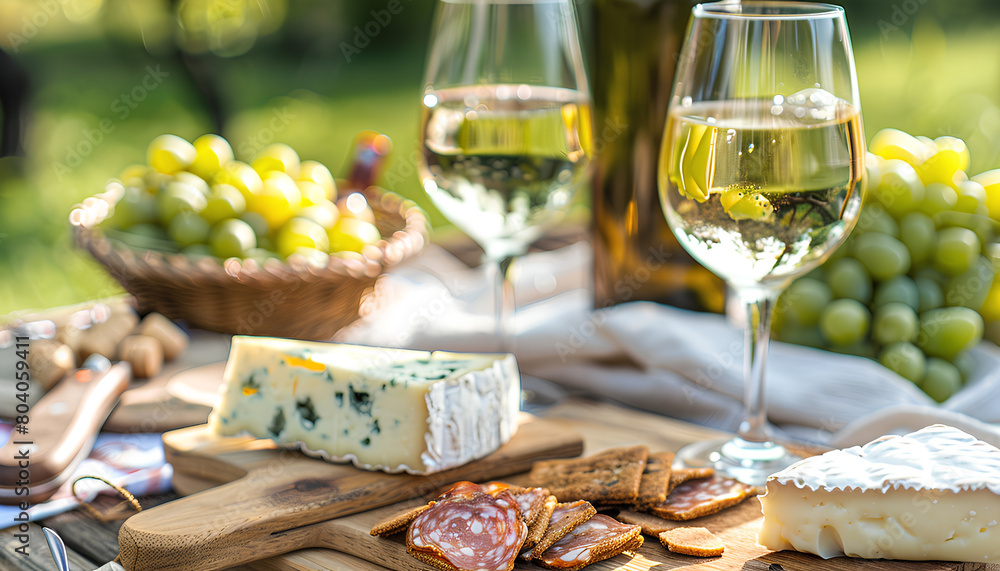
[[916, 285], [196, 198]]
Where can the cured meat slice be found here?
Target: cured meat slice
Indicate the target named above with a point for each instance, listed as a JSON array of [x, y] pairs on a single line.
[[468, 530], [529, 500], [705, 496], [600, 537]]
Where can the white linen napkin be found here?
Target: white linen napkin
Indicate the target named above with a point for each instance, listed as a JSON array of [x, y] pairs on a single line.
[[684, 364]]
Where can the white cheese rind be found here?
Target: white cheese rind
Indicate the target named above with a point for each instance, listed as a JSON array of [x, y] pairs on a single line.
[[930, 495], [381, 409]]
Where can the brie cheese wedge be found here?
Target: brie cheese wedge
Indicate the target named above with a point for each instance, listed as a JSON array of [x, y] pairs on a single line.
[[394, 410], [930, 495]]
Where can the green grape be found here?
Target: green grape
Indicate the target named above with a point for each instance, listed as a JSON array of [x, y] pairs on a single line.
[[896, 144], [804, 300], [170, 153], [971, 198], [895, 322], [860, 348], [966, 365], [905, 359], [899, 289], [301, 233], [188, 228], [352, 235], [278, 200], [212, 151], [800, 335], [232, 238], [262, 255], [179, 197], [941, 380], [225, 201], [147, 237], [970, 288], [931, 296], [991, 183], [194, 180], [882, 255], [874, 218], [901, 190], [312, 171], [355, 205], [918, 232], [240, 175], [957, 249], [259, 225], [940, 168], [277, 157], [848, 278], [312, 193], [938, 197], [310, 257], [325, 214], [955, 144], [134, 175], [136, 206], [844, 321], [947, 331]]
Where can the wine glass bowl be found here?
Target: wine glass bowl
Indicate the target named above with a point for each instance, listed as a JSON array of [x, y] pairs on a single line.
[[761, 173], [506, 125]]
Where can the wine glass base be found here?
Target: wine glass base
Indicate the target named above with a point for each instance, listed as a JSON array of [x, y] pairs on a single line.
[[748, 462]]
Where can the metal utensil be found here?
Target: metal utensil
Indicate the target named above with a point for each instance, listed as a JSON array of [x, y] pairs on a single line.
[[57, 548]]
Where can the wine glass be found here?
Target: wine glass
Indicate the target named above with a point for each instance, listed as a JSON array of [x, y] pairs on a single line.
[[505, 130], [761, 174]]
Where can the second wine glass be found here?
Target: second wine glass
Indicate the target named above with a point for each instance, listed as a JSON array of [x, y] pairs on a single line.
[[505, 129], [761, 173]]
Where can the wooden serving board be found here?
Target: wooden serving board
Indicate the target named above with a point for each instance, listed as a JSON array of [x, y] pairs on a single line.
[[345, 542], [267, 497]]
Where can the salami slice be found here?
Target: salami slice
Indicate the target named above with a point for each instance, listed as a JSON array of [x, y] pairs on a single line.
[[529, 500], [467, 530], [564, 518], [599, 538], [701, 497]]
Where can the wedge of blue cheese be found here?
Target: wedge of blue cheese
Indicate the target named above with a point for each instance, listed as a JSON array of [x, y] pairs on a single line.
[[933, 494], [393, 410]]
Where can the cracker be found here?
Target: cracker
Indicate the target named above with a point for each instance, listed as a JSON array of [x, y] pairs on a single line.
[[650, 524], [608, 477], [564, 518], [701, 497], [537, 528], [399, 522], [695, 541], [678, 477], [600, 537], [655, 479]]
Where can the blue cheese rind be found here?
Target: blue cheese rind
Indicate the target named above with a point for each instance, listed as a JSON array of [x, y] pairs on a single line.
[[381, 409], [930, 495]]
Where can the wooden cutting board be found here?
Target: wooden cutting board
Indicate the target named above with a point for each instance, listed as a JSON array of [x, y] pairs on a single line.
[[322, 545], [268, 497]]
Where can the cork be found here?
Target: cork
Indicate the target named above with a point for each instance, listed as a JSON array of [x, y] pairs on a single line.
[[143, 353], [50, 361], [103, 338], [173, 339]]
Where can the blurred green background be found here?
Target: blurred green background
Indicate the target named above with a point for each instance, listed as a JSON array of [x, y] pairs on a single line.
[[313, 73]]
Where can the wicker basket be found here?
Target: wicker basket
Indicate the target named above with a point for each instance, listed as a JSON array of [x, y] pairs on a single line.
[[293, 299]]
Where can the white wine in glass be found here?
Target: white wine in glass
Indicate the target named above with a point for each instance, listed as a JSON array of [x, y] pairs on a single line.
[[506, 126], [761, 173]]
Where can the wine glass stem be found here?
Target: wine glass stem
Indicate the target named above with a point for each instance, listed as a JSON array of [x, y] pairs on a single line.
[[503, 305], [759, 304]]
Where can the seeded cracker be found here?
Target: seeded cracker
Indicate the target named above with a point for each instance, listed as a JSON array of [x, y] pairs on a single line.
[[655, 480], [651, 524], [609, 477], [705, 496], [599, 538], [695, 541], [398, 523], [564, 518], [537, 528], [678, 477]]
